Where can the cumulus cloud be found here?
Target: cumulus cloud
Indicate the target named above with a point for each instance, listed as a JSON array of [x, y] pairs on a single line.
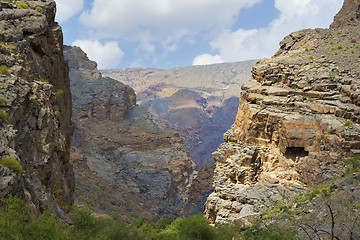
[[67, 9], [106, 55], [160, 20], [264, 42], [206, 59]]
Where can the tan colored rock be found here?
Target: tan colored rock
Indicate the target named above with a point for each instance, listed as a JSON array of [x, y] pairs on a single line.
[[297, 123]]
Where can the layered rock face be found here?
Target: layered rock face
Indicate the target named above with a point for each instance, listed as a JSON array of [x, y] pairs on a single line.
[[123, 161], [190, 100], [298, 121], [35, 102]]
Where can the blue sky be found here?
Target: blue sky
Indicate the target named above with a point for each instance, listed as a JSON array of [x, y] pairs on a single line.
[[171, 33]]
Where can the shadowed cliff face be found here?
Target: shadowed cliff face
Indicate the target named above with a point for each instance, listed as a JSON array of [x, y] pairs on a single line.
[[124, 161], [35, 94], [297, 123]]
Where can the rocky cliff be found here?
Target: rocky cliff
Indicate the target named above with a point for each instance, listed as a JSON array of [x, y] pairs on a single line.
[[35, 103], [297, 123], [190, 100], [124, 162]]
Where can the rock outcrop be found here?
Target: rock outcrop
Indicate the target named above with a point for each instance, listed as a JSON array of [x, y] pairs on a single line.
[[123, 161], [35, 103], [298, 121], [349, 15]]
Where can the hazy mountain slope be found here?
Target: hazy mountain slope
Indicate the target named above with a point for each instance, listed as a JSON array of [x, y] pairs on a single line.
[[192, 100]]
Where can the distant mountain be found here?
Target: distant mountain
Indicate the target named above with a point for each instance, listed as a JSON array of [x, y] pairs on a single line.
[[199, 102]]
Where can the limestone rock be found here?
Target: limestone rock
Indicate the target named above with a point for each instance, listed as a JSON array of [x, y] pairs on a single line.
[[297, 123]]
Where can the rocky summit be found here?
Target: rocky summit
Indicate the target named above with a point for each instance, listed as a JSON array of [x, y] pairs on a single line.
[[123, 160], [297, 123], [35, 107]]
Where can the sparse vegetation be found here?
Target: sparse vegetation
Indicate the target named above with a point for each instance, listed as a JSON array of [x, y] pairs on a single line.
[[352, 164], [347, 124], [12, 164], [23, 5], [59, 92], [3, 115], [39, 9], [4, 69]]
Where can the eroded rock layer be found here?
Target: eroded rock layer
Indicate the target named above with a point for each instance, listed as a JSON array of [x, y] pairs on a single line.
[[298, 121], [35, 103]]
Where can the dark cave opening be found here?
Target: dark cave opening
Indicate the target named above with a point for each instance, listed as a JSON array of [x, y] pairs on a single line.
[[293, 152]]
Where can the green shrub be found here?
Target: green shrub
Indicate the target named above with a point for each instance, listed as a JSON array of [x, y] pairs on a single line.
[[59, 92], [39, 9], [331, 42], [336, 53], [352, 164], [12, 164], [2, 100], [82, 217], [4, 69], [311, 57], [347, 124], [271, 232], [3, 115], [41, 79], [13, 217], [196, 227], [339, 47], [332, 48], [119, 231], [23, 5], [16, 223]]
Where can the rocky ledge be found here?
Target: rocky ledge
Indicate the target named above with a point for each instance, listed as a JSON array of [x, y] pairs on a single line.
[[35, 106], [298, 121]]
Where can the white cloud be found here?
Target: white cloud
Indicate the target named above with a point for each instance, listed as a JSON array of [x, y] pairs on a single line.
[[206, 59], [160, 20], [264, 42], [106, 55], [67, 9]]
